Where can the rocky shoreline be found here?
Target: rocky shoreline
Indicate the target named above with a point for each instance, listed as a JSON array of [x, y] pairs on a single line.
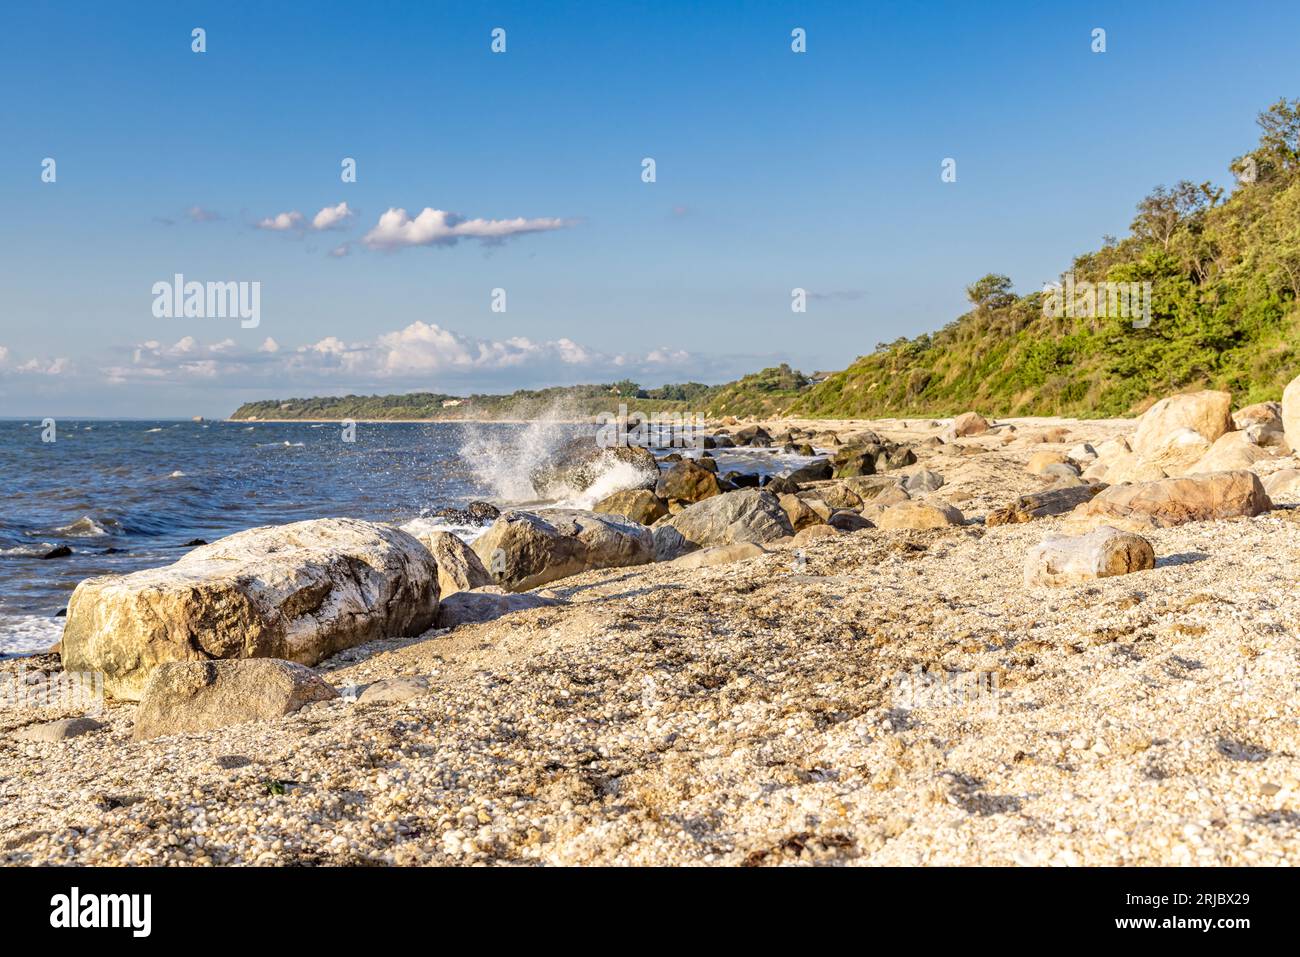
[[957, 641]]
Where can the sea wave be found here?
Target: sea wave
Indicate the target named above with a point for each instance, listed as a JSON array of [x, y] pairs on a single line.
[[28, 634]]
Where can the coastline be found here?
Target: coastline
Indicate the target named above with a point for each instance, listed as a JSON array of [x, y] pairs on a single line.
[[760, 699]]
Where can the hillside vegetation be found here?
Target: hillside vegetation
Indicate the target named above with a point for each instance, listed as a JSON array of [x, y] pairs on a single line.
[[757, 394], [1224, 278]]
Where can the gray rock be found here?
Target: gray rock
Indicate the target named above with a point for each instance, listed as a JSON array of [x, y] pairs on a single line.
[[394, 690], [923, 480], [183, 697], [747, 515], [475, 607], [50, 732]]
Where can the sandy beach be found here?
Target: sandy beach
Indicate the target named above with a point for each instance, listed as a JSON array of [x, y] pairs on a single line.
[[768, 710]]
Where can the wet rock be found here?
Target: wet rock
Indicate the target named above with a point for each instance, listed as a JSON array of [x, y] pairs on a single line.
[[687, 482], [579, 463], [523, 550], [812, 472], [475, 513], [637, 505]]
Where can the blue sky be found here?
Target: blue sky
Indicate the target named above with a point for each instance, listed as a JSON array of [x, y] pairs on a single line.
[[775, 170]]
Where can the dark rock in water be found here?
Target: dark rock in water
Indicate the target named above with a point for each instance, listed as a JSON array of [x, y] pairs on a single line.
[[577, 464], [707, 463], [802, 448], [754, 435], [475, 513], [873, 457], [61, 613], [723, 442], [688, 482], [194, 543], [708, 442], [812, 472], [780, 484], [59, 551], [672, 457], [110, 551], [742, 479]]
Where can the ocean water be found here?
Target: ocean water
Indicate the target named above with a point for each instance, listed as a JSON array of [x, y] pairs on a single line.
[[125, 495]]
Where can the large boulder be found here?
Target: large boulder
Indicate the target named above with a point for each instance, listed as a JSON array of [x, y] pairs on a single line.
[[1230, 451], [580, 463], [1284, 483], [301, 592], [969, 423], [1176, 451], [1208, 413], [1291, 414], [915, 516], [635, 504], [747, 515], [1102, 553], [1266, 415], [524, 550], [688, 482], [184, 697], [754, 435], [800, 514], [1174, 501], [459, 568]]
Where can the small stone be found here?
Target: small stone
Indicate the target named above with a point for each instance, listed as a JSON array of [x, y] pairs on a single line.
[[50, 732]]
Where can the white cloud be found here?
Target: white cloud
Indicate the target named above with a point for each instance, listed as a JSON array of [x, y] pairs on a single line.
[[437, 227], [282, 222], [332, 217], [33, 366], [419, 356]]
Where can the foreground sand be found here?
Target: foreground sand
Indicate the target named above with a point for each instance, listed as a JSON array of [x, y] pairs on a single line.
[[748, 713]]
